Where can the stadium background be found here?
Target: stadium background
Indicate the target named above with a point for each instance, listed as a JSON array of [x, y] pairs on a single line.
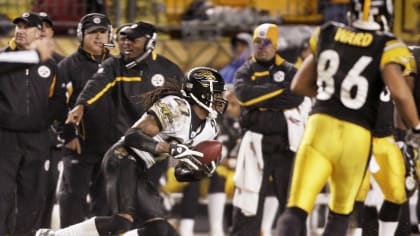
[[203, 40]]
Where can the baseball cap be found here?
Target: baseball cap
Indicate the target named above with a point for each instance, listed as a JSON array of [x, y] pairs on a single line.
[[242, 37], [46, 18], [267, 31], [95, 21], [30, 18], [138, 30], [123, 27]]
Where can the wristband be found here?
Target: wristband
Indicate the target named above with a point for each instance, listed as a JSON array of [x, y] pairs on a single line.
[[417, 128]]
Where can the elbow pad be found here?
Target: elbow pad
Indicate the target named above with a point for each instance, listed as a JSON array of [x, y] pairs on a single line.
[[136, 138]]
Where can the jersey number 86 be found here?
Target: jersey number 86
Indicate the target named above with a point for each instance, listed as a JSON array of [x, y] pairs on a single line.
[[327, 67]]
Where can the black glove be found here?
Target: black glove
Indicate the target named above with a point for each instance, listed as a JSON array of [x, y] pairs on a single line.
[[191, 169], [179, 151]]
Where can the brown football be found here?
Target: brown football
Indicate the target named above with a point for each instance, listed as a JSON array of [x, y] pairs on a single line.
[[211, 149]]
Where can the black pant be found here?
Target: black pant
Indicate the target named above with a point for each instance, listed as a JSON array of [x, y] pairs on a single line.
[[279, 165], [82, 176], [129, 189], [56, 155], [22, 180]]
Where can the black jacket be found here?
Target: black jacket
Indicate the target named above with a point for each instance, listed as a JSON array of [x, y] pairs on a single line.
[[30, 97], [263, 90], [76, 70], [126, 85]]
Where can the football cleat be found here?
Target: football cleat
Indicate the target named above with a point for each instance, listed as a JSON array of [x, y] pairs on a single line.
[[45, 232]]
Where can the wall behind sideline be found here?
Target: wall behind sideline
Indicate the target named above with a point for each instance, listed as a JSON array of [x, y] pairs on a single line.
[[186, 53]]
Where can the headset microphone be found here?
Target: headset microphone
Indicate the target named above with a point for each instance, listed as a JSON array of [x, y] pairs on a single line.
[[109, 45], [138, 60]]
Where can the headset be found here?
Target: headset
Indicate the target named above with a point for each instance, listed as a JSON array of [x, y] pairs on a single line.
[[150, 43], [80, 26], [150, 46]]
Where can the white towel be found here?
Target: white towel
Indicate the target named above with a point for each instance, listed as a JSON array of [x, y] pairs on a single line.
[[248, 173], [296, 120]]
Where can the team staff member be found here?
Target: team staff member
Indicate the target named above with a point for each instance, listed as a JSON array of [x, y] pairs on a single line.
[[137, 70], [55, 141], [39, 51], [346, 76], [262, 86], [149, 71], [28, 98], [85, 148], [48, 32]]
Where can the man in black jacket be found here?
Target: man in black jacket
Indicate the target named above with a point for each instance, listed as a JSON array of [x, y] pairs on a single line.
[[137, 70], [262, 86], [40, 50], [30, 97], [86, 145]]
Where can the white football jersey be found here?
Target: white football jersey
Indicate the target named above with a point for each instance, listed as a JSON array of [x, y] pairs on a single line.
[[174, 116]]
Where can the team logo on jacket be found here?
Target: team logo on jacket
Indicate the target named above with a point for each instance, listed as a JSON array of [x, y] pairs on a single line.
[[278, 76], [44, 71], [158, 80]]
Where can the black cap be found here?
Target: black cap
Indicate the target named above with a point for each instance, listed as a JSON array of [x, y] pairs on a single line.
[[30, 18], [94, 21], [123, 27], [46, 18], [139, 29]]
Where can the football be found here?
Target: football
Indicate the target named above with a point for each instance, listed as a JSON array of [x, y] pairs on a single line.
[[211, 149]]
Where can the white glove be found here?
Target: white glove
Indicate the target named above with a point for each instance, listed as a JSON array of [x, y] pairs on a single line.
[[179, 151], [412, 138]]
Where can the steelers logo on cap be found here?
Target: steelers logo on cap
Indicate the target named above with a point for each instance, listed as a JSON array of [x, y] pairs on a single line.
[[96, 20], [26, 14]]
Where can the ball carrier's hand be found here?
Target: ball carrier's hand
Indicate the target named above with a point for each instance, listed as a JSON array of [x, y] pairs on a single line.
[[179, 151]]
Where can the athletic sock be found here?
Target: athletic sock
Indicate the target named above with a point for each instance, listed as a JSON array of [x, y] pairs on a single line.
[[216, 208], [387, 228], [269, 213], [186, 227], [133, 232]]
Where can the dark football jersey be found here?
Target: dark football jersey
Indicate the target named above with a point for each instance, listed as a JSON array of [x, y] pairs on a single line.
[[349, 63], [416, 74], [385, 119]]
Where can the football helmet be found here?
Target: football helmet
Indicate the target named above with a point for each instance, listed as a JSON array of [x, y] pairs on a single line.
[[372, 14], [205, 87]]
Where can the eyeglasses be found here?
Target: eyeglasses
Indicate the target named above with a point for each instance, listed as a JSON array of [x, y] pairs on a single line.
[[262, 42]]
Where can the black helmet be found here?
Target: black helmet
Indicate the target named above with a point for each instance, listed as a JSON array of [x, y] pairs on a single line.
[[377, 16], [205, 86]]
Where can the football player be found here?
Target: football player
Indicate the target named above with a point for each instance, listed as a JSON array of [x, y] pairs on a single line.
[[387, 168], [346, 73], [175, 121]]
